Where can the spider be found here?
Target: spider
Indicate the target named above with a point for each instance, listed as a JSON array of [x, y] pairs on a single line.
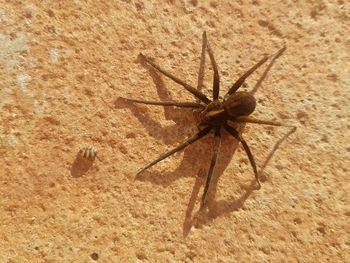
[[215, 114]]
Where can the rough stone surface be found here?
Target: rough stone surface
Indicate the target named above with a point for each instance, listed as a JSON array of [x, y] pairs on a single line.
[[63, 66]]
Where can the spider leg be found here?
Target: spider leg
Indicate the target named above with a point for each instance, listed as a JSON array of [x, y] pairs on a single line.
[[168, 103], [241, 80], [216, 79], [213, 162], [246, 119], [189, 141], [200, 79], [239, 137], [188, 87]]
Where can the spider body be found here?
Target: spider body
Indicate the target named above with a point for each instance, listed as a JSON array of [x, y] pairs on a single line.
[[215, 114], [218, 113]]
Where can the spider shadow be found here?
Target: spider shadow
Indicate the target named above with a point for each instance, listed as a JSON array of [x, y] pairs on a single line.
[[215, 208], [219, 208], [166, 134], [81, 166]]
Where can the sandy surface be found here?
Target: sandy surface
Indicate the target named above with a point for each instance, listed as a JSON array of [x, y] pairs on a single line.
[[63, 67]]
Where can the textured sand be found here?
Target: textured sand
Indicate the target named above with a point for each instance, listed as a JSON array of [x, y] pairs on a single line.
[[63, 66]]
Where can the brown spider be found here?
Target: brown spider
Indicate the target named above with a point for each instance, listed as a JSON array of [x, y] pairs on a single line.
[[215, 114]]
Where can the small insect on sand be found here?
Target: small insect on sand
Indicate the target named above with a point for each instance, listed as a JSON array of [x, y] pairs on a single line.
[[88, 153], [216, 114]]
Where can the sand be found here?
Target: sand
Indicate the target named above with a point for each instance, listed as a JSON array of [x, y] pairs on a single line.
[[63, 67]]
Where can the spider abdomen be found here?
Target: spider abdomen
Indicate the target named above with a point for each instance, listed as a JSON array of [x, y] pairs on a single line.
[[241, 103]]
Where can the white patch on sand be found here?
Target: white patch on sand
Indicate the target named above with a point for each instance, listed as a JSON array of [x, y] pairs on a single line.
[[10, 50], [12, 140], [5, 20], [30, 10], [54, 55], [189, 5], [5, 95], [40, 106], [22, 81]]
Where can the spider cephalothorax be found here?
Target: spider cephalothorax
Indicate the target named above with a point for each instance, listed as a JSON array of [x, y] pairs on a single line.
[[215, 114]]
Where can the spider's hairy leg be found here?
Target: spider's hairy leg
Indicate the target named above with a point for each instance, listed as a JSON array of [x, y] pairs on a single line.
[[189, 141], [246, 74], [188, 87], [216, 79], [241, 80], [248, 119], [212, 163], [239, 137], [168, 103], [279, 53]]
